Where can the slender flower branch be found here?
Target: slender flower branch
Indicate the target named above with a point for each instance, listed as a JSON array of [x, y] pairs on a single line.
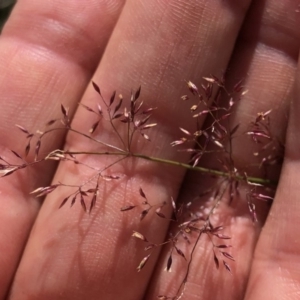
[[250, 179]]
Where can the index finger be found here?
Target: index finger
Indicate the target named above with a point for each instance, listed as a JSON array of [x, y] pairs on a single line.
[[48, 53]]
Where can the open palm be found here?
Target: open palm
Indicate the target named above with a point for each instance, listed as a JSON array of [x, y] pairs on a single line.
[[50, 51]]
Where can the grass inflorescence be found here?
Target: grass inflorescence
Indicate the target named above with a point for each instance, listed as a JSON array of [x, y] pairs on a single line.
[[215, 140]]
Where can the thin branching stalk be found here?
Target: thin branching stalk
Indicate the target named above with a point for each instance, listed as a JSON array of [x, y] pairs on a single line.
[[250, 179]]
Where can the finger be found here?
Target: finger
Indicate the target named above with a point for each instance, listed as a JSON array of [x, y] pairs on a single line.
[[265, 56], [276, 265], [158, 45], [48, 52]]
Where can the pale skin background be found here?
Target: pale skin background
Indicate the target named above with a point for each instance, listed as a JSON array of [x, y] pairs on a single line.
[[50, 51]]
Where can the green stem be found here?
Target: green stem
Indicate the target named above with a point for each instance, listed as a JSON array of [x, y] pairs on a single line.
[[251, 179]]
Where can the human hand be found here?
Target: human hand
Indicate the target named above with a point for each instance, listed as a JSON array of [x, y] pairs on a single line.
[[49, 52]]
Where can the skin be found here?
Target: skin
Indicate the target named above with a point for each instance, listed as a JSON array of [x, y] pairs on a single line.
[[49, 53]]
